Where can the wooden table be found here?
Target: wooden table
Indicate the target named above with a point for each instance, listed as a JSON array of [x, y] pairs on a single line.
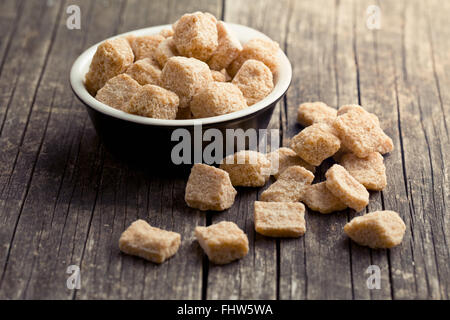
[[64, 200]]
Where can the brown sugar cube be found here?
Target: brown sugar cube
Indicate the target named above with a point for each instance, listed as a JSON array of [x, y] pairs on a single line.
[[218, 76], [209, 188], [247, 168], [166, 33], [315, 143], [378, 230], [145, 71], [185, 77], [346, 188], [338, 155], [360, 132], [207, 14], [165, 50], [283, 158], [347, 107], [222, 242], [195, 35], [227, 76], [289, 186], [216, 99], [227, 50], [318, 198], [369, 171], [153, 244], [112, 57], [129, 38], [255, 80], [263, 50], [315, 112], [118, 91], [145, 46], [154, 102], [280, 219]]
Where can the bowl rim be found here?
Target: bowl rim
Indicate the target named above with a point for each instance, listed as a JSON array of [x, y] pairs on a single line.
[[244, 33]]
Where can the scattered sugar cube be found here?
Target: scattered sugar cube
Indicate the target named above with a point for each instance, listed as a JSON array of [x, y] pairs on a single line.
[[154, 102], [218, 76], [318, 198], [346, 108], [227, 50], [379, 229], [145, 46], [185, 77], [315, 143], [145, 71], [360, 132], [247, 168], [153, 244], [263, 50], [289, 186], [315, 112], [165, 50], [280, 219], [209, 188], [283, 158], [112, 57], [255, 80], [222, 242], [341, 183], [118, 91], [217, 98], [195, 35], [369, 171]]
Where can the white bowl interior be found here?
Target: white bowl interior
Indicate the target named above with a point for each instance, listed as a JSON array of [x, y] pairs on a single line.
[[244, 34]]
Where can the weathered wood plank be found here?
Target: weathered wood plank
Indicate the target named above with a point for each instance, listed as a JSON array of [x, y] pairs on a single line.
[[50, 222], [9, 19], [22, 74], [316, 266], [423, 141], [126, 194], [65, 201], [372, 73], [440, 156], [254, 277]]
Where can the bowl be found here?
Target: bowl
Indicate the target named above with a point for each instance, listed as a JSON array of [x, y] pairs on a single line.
[[151, 141]]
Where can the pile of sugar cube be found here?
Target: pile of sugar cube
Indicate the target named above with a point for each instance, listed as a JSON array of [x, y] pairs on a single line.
[[196, 69], [351, 135]]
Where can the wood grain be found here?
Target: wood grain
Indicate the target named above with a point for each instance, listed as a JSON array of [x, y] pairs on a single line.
[[255, 277], [64, 200]]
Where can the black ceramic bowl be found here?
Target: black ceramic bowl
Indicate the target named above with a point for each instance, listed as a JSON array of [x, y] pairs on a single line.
[[147, 140]]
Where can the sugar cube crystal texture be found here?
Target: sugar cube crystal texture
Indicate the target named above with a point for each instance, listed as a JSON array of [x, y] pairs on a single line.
[[153, 244], [377, 230], [222, 242], [209, 188], [280, 219]]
